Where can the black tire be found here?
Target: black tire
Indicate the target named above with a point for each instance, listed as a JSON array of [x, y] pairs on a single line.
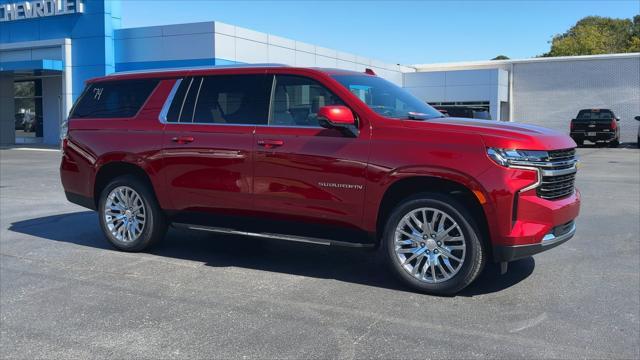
[[155, 225], [475, 254], [614, 143]]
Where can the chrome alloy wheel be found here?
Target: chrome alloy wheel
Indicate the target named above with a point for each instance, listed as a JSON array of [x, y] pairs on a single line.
[[430, 245], [125, 214]]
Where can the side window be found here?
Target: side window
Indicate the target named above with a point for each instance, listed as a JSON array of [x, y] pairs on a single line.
[[232, 99], [113, 99], [296, 101]]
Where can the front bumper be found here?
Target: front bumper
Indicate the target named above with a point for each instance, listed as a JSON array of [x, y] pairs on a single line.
[[558, 235], [520, 222]]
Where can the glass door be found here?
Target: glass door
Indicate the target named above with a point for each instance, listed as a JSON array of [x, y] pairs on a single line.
[[28, 110]]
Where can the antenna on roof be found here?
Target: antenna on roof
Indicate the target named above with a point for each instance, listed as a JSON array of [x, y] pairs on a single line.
[[369, 72]]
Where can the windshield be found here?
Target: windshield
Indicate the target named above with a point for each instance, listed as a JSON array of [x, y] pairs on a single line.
[[386, 98]]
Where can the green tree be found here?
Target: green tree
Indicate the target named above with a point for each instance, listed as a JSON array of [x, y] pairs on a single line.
[[501, 57], [598, 35], [634, 42]]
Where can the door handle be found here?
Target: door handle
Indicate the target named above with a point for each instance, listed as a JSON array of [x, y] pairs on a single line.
[[270, 144], [182, 139]]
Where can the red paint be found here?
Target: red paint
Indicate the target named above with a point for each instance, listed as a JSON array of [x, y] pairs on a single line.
[[288, 172], [337, 114]]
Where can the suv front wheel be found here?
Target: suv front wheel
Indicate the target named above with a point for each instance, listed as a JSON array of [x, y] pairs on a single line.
[[129, 214], [433, 245]]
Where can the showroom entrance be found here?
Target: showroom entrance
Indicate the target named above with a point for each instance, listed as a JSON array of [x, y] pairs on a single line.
[[38, 104], [35, 90], [32, 106]]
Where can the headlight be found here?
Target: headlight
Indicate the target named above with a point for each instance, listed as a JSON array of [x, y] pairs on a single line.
[[513, 157]]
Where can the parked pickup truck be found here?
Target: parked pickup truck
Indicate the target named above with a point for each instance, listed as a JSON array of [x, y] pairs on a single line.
[[596, 125], [321, 156]]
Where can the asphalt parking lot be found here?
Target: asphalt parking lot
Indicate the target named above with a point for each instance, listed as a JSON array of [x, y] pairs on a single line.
[[65, 293]]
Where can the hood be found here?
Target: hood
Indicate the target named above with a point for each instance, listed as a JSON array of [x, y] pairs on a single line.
[[507, 135]]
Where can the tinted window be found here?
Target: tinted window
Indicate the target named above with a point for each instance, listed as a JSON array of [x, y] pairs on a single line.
[[113, 99], [296, 101], [231, 99], [603, 114]]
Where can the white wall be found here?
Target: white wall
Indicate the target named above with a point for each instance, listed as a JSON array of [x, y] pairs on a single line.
[[233, 44], [237, 44], [551, 93], [545, 91], [460, 85]]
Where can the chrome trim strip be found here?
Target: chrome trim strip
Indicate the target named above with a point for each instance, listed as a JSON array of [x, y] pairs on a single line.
[[195, 103], [293, 238], [551, 239], [544, 163], [560, 172], [271, 96], [535, 184], [184, 100], [167, 103], [290, 126]]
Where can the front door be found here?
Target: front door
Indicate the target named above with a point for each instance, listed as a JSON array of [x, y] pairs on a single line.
[[208, 142], [301, 170]]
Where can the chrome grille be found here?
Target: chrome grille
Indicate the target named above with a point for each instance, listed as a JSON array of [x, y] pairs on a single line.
[[558, 175], [560, 155]]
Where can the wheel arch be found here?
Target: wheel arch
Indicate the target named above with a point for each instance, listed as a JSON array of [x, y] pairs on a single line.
[[113, 169], [473, 199]]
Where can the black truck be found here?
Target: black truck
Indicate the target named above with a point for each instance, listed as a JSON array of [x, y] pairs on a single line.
[[596, 125]]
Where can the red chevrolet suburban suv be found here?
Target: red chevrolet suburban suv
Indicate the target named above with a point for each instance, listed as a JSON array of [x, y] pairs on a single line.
[[319, 156]]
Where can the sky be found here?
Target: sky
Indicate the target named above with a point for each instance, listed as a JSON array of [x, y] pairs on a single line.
[[405, 32]]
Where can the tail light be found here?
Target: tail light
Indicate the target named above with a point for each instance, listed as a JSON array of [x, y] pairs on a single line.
[[571, 126], [614, 124]]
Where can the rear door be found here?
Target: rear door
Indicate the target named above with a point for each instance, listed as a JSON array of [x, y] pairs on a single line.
[[208, 141], [303, 171]]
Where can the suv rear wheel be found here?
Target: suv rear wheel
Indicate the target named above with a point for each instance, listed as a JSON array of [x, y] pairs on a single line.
[[129, 214], [433, 245]]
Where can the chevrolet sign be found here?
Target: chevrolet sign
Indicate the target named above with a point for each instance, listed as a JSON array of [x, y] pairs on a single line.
[[39, 8]]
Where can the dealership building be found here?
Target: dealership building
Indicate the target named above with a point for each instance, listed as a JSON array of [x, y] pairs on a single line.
[[48, 48]]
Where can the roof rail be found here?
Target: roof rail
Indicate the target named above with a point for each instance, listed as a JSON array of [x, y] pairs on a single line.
[[189, 68]]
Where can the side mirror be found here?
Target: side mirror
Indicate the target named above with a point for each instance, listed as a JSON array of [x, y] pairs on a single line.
[[637, 118], [340, 118]]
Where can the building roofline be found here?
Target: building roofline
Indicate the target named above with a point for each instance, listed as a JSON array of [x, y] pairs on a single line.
[[497, 63]]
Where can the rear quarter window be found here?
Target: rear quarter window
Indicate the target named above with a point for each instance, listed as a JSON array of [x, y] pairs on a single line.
[[113, 99]]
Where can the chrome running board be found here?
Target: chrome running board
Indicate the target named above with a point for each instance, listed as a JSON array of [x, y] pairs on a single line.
[[294, 238]]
